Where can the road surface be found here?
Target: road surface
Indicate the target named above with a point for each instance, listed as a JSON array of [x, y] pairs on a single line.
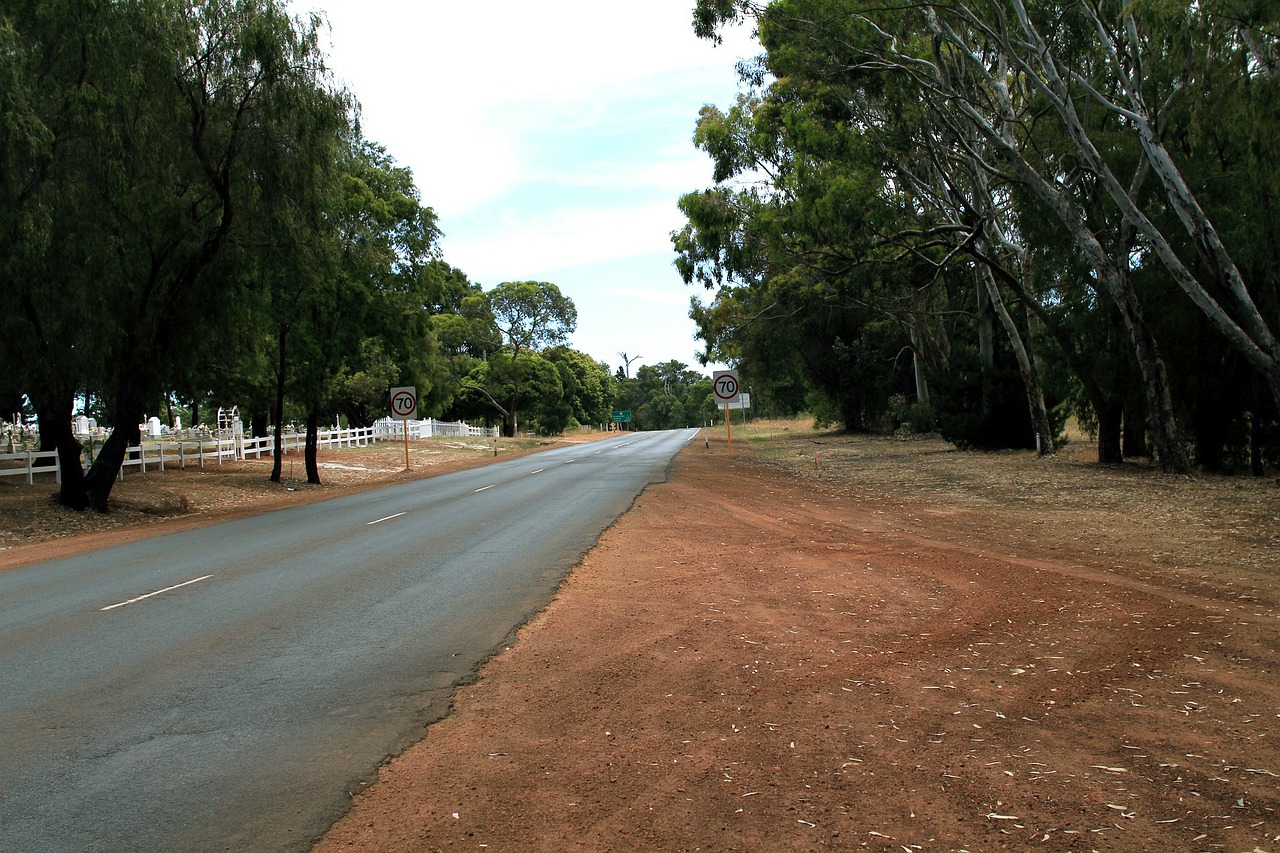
[[224, 688]]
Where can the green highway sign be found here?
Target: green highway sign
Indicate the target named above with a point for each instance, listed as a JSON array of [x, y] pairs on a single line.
[[622, 417]]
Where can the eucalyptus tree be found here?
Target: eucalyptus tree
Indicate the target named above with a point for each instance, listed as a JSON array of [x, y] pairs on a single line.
[[508, 387], [879, 76], [530, 316], [833, 255], [1110, 79]]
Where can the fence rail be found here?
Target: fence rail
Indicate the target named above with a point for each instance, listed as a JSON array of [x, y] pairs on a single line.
[[30, 463]]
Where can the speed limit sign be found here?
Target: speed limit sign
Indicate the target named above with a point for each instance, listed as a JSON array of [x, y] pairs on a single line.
[[725, 384], [404, 403]]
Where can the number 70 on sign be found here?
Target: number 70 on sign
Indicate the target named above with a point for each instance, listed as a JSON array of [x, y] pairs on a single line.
[[725, 385]]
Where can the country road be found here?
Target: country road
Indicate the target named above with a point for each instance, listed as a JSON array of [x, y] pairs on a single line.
[[224, 688]]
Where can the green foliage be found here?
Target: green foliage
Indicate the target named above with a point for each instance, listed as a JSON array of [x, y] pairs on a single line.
[[906, 417], [666, 396], [928, 184], [588, 387], [982, 406], [360, 389]]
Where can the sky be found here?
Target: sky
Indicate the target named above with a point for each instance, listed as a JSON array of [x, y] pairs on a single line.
[[553, 140]]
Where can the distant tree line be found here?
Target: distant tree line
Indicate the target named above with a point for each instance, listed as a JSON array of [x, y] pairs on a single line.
[[189, 212], [669, 395], [987, 215]]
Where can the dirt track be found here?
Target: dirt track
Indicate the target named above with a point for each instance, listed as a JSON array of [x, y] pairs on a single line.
[[895, 647]]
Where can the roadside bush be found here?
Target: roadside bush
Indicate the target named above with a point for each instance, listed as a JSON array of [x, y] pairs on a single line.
[[906, 417]]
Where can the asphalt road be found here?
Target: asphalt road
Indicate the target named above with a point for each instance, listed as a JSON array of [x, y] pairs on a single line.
[[225, 688]]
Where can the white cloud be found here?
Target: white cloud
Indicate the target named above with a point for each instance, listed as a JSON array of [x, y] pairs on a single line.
[[548, 136], [518, 248], [458, 91]]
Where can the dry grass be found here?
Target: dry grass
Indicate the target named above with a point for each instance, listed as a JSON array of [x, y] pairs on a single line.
[[1130, 512]]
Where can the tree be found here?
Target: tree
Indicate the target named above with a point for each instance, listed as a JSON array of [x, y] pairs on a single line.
[[361, 304], [587, 385], [1105, 87], [1132, 67], [135, 138], [529, 315], [57, 60], [666, 396]]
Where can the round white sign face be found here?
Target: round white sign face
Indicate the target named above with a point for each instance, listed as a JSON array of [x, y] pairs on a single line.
[[726, 385], [404, 402]]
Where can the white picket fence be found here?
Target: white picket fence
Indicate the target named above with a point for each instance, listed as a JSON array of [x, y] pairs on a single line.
[[389, 429], [296, 442], [157, 455]]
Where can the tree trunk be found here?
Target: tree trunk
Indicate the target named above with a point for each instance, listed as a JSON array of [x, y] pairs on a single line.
[[277, 462], [1155, 381], [1026, 367], [1106, 408], [1255, 429], [986, 331], [103, 474], [1133, 439], [56, 434], [917, 366], [1110, 417], [260, 424], [313, 446]]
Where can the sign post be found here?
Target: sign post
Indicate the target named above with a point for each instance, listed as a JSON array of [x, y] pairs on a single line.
[[404, 408], [726, 387]]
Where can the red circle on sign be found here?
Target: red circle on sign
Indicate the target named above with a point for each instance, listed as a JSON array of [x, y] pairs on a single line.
[[403, 403], [726, 387]]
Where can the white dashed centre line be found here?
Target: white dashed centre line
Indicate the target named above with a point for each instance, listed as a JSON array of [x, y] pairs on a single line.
[[152, 594], [483, 488], [388, 518]]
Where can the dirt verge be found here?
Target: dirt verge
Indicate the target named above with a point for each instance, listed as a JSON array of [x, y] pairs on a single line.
[[892, 646]]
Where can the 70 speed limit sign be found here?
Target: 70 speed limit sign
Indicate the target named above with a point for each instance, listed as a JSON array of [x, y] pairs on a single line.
[[404, 403], [725, 384]]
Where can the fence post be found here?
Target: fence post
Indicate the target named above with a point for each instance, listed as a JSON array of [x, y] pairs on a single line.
[[31, 479]]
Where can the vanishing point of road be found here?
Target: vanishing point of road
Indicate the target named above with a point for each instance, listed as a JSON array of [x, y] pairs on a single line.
[[227, 687]]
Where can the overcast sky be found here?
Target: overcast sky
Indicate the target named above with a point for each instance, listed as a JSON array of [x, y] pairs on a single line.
[[553, 140]]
